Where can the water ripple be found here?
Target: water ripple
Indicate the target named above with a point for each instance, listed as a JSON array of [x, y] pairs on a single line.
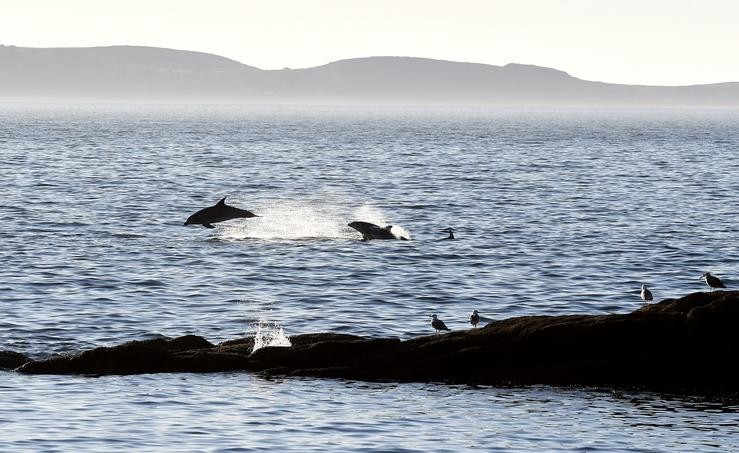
[[555, 212]]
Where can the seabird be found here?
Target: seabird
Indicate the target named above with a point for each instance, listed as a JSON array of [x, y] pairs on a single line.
[[438, 324], [645, 295], [450, 231], [474, 318], [711, 281]]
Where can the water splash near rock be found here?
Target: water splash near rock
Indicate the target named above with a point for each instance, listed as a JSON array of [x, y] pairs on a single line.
[[270, 334]]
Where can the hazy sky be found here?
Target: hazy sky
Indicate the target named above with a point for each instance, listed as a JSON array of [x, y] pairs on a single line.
[[667, 42]]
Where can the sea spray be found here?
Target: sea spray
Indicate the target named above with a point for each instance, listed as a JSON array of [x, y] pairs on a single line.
[[325, 217], [400, 232], [292, 219], [370, 213], [269, 334]]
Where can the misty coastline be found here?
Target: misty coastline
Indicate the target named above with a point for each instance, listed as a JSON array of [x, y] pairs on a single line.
[[133, 74]]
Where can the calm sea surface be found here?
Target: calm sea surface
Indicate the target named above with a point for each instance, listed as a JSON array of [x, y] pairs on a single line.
[[555, 212]]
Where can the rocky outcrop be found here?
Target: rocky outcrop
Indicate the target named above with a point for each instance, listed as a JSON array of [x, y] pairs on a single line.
[[686, 345], [10, 360]]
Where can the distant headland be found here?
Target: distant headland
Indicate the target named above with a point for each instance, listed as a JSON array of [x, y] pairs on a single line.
[[149, 74]]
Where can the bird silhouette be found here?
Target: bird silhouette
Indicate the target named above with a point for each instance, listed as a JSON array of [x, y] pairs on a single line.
[[438, 324], [712, 281]]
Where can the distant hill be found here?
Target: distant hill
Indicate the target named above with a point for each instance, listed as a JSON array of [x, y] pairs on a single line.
[[147, 74]]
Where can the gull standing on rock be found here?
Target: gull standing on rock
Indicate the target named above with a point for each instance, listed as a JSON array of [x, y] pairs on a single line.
[[474, 318], [438, 324], [645, 295], [711, 281]]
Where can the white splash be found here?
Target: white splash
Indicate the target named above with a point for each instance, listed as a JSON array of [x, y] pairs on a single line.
[[369, 213], [372, 214], [400, 232], [290, 219], [324, 217], [270, 334]]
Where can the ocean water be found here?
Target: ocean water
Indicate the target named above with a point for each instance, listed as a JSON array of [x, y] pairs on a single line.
[[555, 211]]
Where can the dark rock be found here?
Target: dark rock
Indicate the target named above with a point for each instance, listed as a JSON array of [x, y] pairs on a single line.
[[243, 346], [689, 344], [10, 360], [324, 350], [311, 338], [134, 357]]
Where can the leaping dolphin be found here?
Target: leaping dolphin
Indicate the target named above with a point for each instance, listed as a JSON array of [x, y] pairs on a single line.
[[220, 212], [372, 231]]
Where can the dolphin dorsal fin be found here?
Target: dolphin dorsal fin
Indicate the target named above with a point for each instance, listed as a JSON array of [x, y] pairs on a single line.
[[222, 202]]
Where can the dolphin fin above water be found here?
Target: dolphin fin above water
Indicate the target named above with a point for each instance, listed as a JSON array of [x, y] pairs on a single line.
[[220, 212], [451, 234]]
